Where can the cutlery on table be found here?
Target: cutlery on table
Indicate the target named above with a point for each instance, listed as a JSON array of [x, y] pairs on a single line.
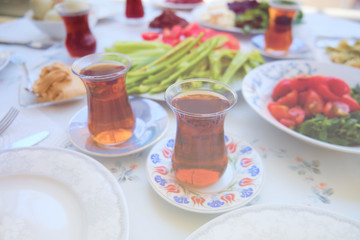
[[29, 141], [8, 119], [31, 44]]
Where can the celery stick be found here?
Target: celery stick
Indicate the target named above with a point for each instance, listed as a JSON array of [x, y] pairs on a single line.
[[194, 57], [238, 61], [133, 46]]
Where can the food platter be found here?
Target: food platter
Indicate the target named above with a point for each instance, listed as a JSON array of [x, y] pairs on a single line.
[[258, 85], [199, 10]]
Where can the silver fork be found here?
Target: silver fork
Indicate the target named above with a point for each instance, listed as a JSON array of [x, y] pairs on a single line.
[[8, 119]]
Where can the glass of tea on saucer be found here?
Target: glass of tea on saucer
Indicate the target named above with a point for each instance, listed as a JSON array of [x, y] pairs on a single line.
[[278, 35], [110, 117], [200, 105], [79, 39]]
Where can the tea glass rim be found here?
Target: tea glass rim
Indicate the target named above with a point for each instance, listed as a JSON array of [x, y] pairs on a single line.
[[63, 8], [76, 69], [290, 5], [201, 115]]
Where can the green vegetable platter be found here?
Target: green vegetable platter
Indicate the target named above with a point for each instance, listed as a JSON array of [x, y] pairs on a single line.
[[335, 130], [157, 65]]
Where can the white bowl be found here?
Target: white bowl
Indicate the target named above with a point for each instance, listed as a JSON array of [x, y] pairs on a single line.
[[55, 29], [258, 85]]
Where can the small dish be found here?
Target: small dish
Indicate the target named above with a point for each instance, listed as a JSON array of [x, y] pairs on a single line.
[[258, 86], [28, 99], [240, 183], [298, 48], [4, 59], [151, 124], [165, 4]]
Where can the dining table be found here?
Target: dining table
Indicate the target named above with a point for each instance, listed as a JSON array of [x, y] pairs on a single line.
[[295, 172]]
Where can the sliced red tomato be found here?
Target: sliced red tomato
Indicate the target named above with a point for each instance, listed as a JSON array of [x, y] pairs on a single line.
[[278, 111], [288, 122], [313, 103], [149, 36], [302, 97], [282, 88], [301, 82], [176, 31], [297, 114], [290, 99], [353, 103], [190, 29], [169, 38], [317, 79], [325, 92], [335, 109], [338, 86]]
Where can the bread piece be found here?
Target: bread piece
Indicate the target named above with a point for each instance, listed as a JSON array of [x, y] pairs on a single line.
[[57, 82]]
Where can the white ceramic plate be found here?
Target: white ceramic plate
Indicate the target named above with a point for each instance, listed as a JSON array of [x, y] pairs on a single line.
[[298, 48], [4, 59], [48, 193], [199, 10], [165, 4], [278, 222], [258, 85], [239, 185]]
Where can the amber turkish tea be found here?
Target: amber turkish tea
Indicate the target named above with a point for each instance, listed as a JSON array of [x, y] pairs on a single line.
[[79, 39], [200, 156], [278, 36], [110, 117]]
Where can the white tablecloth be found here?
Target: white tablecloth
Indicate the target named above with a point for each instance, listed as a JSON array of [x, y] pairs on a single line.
[[295, 171]]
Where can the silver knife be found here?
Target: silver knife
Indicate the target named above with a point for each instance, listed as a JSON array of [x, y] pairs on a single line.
[[29, 141]]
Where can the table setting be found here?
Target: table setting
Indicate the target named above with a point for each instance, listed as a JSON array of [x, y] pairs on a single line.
[[126, 125]]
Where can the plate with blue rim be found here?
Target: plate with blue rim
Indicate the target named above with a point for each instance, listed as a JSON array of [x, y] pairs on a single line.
[[238, 186], [257, 87]]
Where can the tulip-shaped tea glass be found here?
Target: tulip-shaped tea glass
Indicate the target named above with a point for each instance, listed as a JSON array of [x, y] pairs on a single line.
[[110, 117], [278, 36], [79, 39], [200, 105]]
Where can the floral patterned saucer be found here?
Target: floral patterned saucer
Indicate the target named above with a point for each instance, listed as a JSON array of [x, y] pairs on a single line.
[[240, 183]]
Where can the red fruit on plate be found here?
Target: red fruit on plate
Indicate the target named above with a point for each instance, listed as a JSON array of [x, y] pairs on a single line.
[[278, 111], [282, 88], [336, 109], [313, 103], [338, 86], [353, 103], [297, 114], [290, 99]]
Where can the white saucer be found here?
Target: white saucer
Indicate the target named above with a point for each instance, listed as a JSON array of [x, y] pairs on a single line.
[[151, 124], [240, 183], [298, 48]]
